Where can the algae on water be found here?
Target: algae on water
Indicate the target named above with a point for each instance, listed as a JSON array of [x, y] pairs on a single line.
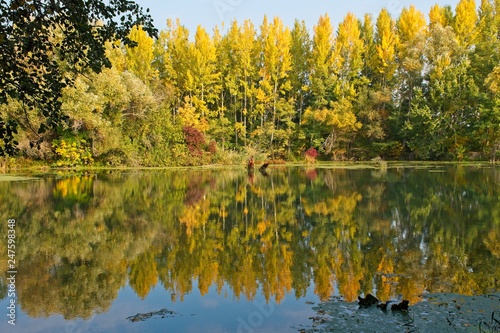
[[436, 313]]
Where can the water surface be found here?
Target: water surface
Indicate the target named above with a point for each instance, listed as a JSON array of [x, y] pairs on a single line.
[[219, 250]]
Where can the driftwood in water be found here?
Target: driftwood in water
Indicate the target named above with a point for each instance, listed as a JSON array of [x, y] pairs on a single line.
[[155, 314], [250, 163], [263, 168]]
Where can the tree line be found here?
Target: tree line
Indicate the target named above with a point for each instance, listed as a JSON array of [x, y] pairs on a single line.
[[409, 87]]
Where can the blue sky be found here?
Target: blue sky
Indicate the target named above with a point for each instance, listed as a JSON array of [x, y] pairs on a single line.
[[211, 13]]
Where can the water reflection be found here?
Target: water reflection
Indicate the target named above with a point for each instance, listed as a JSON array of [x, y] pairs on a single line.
[[81, 238]]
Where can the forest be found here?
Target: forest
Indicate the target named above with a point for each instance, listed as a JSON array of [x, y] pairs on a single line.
[[412, 87]]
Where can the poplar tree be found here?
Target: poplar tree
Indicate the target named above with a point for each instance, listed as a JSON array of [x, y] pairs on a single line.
[[330, 119], [300, 49], [139, 59], [323, 63], [412, 29], [274, 102], [386, 41], [465, 22]]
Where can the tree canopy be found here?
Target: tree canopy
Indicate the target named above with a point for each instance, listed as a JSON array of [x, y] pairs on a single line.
[[39, 37]]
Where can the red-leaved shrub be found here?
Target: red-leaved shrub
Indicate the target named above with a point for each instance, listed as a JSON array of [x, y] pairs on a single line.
[[312, 153], [195, 140]]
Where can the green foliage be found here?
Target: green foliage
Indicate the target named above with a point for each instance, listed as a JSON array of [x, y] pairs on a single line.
[[397, 88], [41, 41]]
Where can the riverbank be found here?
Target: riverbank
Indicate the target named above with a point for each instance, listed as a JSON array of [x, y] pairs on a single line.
[[22, 165]]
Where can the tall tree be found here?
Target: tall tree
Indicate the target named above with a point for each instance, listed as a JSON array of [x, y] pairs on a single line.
[[237, 63], [465, 22], [273, 97], [485, 55], [349, 47], [443, 112], [368, 36], [330, 119], [410, 23], [202, 74], [139, 58], [324, 63], [437, 15], [176, 38], [375, 101], [411, 27], [30, 72], [489, 128], [387, 41], [300, 50]]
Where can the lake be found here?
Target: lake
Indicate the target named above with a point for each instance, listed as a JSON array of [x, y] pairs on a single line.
[[219, 250]]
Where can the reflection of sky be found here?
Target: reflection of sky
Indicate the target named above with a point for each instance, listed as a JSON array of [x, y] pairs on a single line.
[[209, 313]]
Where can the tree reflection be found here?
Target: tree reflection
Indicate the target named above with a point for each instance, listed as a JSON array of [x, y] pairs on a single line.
[[401, 231]]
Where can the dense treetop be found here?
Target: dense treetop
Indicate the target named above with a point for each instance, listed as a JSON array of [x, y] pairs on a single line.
[[42, 42]]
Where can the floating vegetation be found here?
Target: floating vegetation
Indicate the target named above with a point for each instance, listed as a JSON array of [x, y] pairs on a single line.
[[493, 326], [160, 314], [437, 312], [15, 178]]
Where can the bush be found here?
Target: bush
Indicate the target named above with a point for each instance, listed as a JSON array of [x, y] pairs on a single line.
[[195, 140], [199, 151], [72, 152], [311, 155]]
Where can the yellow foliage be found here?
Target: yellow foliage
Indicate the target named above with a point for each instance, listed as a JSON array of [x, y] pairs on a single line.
[[144, 274], [386, 267], [339, 118], [190, 116], [340, 207], [492, 242], [322, 45], [493, 80], [139, 59], [465, 22], [387, 41], [411, 22], [437, 16], [74, 186], [349, 285], [195, 215], [350, 45], [262, 226]]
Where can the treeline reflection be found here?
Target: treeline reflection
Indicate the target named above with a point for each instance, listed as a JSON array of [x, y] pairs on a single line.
[[81, 238]]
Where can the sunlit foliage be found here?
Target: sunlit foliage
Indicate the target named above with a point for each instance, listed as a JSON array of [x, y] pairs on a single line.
[[379, 87]]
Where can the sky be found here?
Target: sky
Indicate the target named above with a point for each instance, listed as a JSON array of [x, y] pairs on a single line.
[[211, 13]]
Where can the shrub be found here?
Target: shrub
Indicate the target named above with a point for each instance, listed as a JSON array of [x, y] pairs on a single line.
[[72, 152], [195, 140], [311, 155]]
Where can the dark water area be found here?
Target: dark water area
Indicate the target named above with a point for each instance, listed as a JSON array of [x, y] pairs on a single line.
[[219, 250]]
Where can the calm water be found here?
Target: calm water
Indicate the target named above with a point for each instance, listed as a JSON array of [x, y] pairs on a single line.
[[221, 251]]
